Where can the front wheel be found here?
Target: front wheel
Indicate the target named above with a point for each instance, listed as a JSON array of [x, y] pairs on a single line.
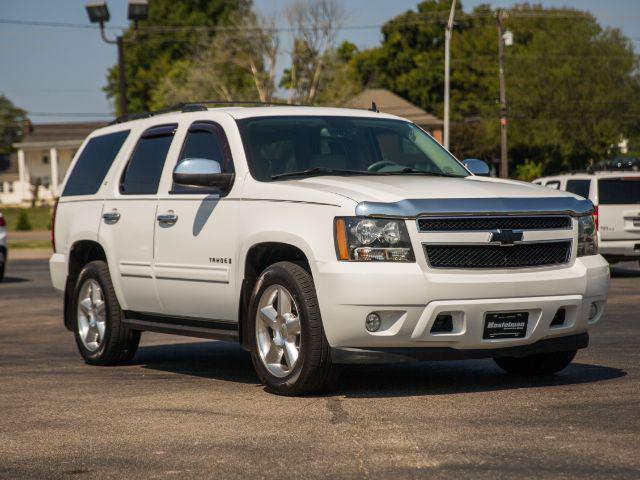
[[3, 261], [288, 347], [101, 336], [536, 364]]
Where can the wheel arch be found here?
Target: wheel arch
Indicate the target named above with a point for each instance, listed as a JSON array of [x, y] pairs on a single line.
[[256, 259], [80, 253]]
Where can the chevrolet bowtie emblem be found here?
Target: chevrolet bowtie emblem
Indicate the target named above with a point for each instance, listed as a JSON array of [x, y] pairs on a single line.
[[505, 237]]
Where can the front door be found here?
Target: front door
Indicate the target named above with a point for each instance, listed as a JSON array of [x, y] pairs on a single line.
[[129, 221], [194, 237]]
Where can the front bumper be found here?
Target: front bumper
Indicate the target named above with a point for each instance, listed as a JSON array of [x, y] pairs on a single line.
[[408, 299], [347, 355], [618, 250]]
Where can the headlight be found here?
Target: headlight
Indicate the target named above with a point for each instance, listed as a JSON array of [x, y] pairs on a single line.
[[587, 236], [372, 240]]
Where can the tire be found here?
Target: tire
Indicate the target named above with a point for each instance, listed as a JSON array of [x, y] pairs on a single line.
[[312, 371], [537, 364], [3, 262], [115, 343]]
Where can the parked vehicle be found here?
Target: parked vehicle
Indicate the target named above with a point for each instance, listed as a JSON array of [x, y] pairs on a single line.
[[3, 246], [316, 237], [616, 196]]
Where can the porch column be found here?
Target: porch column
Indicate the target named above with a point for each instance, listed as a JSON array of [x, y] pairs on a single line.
[[53, 156], [22, 174]]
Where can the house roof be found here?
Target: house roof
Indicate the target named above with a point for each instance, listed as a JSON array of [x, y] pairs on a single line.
[[44, 135], [389, 102]]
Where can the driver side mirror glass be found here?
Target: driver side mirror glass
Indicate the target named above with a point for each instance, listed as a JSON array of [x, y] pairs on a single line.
[[477, 167], [202, 172]]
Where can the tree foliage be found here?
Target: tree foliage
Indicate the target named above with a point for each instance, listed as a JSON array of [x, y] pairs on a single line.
[[572, 86], [154, 53], [11, 120]]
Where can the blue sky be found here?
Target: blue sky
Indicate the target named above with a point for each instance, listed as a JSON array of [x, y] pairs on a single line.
[[63, 69]]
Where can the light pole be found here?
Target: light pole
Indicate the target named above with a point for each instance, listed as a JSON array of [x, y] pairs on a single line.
[[99, 13], [447, 58], [502, 36]]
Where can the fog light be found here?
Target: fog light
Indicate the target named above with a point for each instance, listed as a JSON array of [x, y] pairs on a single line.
[[593, 311], [372, 323]]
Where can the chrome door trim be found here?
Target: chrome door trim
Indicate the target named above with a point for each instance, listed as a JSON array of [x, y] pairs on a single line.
[[413, 208]]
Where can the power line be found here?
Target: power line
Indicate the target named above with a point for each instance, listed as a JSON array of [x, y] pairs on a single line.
[[420, 19]]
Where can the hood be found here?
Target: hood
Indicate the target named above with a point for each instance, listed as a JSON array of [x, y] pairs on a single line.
[[392, 188]]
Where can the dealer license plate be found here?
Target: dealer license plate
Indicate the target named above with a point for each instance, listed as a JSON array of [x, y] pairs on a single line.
[[505, 325]]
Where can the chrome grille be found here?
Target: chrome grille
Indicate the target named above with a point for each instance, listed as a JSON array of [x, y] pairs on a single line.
[[437, 224], [497, 256]]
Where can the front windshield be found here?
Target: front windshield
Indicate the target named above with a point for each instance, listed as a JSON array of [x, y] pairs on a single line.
[[279, 147]]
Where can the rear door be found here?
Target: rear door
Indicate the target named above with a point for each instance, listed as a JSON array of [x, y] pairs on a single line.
[[195, 236], [129, 219], [619, 207]]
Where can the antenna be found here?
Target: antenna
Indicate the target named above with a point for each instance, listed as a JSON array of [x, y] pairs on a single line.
[[374, 107]]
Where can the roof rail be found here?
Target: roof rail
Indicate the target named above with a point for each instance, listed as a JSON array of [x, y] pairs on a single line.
[[196, 107]]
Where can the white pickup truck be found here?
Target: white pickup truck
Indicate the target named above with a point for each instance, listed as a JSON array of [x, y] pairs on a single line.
[[316, 237]]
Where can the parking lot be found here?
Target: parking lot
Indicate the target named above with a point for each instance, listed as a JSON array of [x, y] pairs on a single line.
[[188, 407]]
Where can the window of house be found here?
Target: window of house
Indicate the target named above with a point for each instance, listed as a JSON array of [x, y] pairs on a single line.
[[94, 163], [143, 172], [45, 159]]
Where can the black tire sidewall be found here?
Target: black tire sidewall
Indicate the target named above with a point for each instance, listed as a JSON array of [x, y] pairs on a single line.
[[273, 275]]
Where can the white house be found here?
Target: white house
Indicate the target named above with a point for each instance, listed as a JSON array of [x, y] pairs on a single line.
[[43, 157]]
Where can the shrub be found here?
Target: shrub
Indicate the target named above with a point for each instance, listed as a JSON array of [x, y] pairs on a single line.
[[23, 222]]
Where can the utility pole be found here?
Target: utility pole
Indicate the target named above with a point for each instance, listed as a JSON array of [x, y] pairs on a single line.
[[447, 59], [504, 154]]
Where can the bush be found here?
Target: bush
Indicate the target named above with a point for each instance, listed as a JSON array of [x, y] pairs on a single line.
[[23, 223]]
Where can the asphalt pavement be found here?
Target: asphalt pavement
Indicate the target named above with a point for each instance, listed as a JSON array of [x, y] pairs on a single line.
[[187, 408]]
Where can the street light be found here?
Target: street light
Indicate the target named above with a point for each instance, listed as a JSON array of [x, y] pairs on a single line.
[[99, 13]]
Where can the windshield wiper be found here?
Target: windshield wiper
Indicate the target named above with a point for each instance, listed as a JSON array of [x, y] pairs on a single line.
[[422, 172], [322, 171]]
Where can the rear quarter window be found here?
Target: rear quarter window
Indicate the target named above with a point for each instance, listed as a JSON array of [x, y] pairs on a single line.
[[619, 191], [94, 163], [579, 187]]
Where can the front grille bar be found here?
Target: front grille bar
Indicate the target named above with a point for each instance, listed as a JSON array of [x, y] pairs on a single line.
[[479, 256], [492, 223]]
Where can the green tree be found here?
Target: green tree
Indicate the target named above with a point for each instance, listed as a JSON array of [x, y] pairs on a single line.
[[572, 86], [11, 120], [160, 47]]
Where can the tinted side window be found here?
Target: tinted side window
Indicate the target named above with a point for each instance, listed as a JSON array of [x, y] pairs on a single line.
[[553, 184], [579, 187], [142, 175], [619, 191], [205, 140], [94, 163]]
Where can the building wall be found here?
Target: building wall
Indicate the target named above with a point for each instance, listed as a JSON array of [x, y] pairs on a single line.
[[39, 164]]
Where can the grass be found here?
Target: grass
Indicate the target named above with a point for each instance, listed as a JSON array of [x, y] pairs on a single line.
[[29, 244], [40, 217]]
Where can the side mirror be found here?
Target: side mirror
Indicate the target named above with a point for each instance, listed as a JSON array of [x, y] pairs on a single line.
[[477, 167], [201, 172]]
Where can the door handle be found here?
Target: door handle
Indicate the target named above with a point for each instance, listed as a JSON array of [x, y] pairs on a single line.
[[167, 219], [111, 217]]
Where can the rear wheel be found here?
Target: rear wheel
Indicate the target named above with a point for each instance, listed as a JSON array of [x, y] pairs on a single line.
[[537, 364], [288, 347], [101, 336]]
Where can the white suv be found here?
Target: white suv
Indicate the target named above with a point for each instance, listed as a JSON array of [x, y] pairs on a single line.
[[3, 246], [316, 237], [616, 196]]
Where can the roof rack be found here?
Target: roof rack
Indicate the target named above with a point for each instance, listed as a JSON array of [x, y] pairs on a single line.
[[196, 107]]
